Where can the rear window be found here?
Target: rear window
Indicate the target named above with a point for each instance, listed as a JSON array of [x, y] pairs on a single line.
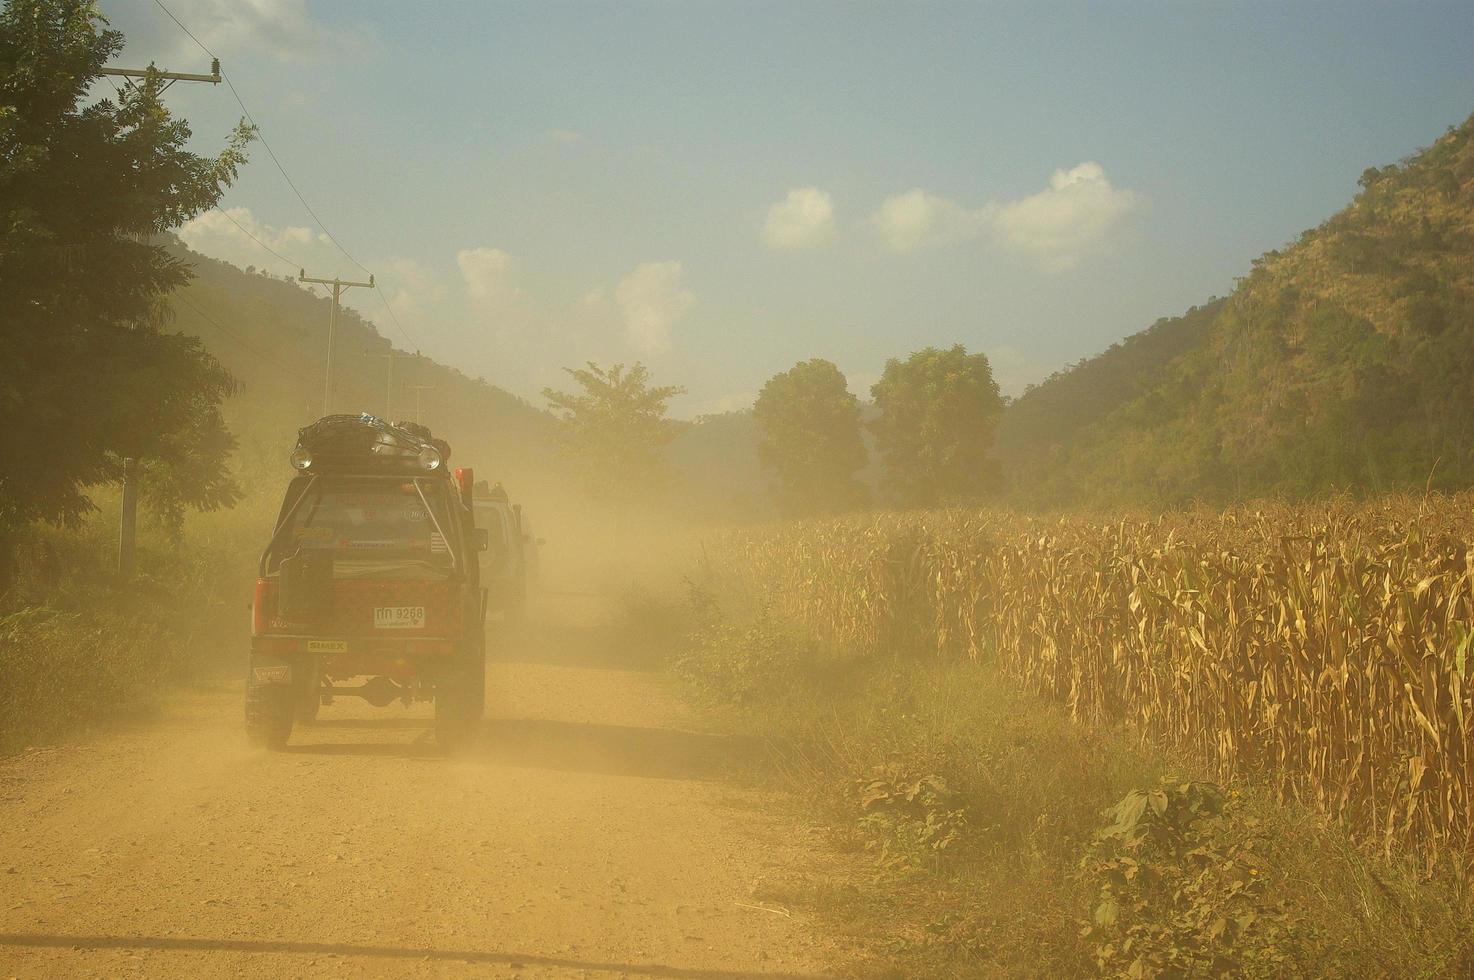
[[371, 520]]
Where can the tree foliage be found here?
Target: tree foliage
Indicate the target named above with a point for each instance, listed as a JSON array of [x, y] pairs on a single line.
[[613, 429], [938, 412], [811, 438], [90, 373], [1341, 362]]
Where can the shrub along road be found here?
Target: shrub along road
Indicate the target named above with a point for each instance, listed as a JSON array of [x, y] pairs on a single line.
[[588, 833]]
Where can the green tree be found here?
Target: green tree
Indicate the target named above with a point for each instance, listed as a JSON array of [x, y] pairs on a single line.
[[89, 373], [614, 429], [938, 412], [811, 438]]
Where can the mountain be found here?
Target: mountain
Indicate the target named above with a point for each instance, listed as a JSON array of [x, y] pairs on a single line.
[[271, 334], [1342, 362], [1051, 421]]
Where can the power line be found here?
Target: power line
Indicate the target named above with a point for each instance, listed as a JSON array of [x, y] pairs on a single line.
[[185, 30], [395, 317], [285, 176], [313, 287], [233, 336], [245, 231]]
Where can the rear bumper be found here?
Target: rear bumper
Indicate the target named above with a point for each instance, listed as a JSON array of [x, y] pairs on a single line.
[[275, 656], [290, 645]]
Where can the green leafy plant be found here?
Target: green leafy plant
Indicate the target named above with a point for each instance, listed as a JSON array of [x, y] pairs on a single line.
[[736, 663], [908, 815], [87, 186], [1181, 888]]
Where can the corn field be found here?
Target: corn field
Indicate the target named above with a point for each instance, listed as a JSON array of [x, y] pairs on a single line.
[[1323, 650]]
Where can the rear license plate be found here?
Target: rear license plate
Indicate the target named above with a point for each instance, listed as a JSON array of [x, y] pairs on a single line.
[[399, 617], [327, 646]]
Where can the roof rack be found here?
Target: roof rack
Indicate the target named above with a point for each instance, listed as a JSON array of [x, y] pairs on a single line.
[[366, 444], [483, 490]]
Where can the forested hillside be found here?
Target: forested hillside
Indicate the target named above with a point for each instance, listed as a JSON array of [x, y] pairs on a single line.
[[1052, 421], [1342, 362], [272, 336]]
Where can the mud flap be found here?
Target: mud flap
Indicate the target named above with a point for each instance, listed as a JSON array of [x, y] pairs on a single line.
[[271, 673]]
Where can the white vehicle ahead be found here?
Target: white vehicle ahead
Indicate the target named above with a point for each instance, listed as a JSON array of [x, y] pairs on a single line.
[[510, 562]]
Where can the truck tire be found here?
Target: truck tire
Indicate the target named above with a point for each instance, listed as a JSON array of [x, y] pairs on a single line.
[[269, 710], [308, 691]]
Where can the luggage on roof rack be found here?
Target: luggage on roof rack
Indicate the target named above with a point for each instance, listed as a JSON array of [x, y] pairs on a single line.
[[366, 443]]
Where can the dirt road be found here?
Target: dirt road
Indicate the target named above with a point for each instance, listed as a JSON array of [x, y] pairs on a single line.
[[587, 834]]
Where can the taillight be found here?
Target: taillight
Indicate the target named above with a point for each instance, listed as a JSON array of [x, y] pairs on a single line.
[[258, 606], [465, 482]]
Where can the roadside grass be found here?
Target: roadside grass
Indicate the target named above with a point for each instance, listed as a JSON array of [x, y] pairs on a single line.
[[80, 650], [999, 838]]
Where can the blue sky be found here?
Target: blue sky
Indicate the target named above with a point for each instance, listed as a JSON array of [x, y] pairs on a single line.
[[721, 190]]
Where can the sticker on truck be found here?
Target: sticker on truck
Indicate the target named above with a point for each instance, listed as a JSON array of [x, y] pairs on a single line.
[[399, 617]]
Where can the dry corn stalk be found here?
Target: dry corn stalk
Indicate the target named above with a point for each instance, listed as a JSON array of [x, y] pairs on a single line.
[[1324, 649]]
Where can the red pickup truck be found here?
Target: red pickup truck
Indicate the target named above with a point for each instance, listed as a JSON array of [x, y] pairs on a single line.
[[369, 586]]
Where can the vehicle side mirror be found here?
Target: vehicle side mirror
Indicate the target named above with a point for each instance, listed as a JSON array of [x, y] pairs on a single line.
[[483, 539]]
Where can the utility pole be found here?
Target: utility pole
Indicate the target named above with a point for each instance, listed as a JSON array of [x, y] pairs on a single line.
[[127, 527], [338, 286], [169, 77], [389, 385], [128, 522], [419, 390]]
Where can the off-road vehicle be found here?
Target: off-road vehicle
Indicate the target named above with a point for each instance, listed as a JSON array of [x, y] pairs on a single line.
[[510, 561], [369, 586]]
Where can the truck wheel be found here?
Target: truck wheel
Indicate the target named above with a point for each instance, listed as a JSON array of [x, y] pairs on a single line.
[[269, 709], [308, 688]]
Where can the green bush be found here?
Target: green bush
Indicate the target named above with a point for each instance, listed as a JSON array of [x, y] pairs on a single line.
[[1182, 888], [79, 648], [742, 663]]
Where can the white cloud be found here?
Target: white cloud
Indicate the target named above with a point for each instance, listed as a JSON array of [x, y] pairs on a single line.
[[566, 137], [490, 275], [650, 300], [284, 28], [803, 219], [236, 235], [1073, 216], [414, 276], [410, 286], [917, 218]]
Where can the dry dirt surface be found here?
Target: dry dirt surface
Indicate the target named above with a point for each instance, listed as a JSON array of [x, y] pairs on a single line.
[[588, 833]]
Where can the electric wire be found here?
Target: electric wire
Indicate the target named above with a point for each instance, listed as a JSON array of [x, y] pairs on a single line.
[[312, 287], [244, 344], [260, 135], [245, 231]]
